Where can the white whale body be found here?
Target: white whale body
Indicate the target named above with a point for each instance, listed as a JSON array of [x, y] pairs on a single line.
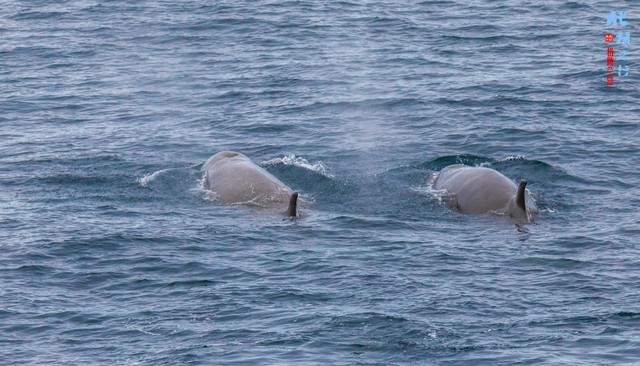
[[477, 190], [234, 178]]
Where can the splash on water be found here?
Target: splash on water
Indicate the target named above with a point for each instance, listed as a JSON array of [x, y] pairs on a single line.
[[298, 161], [147, 179]]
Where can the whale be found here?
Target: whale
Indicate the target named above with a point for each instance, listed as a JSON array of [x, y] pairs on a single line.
[[479, 190], [235, 179]]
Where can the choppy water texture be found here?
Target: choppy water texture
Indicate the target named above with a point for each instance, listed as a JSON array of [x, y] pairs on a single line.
[[110, 252]]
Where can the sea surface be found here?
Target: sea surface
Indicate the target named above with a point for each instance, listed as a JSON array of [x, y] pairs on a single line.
[[111, 252]]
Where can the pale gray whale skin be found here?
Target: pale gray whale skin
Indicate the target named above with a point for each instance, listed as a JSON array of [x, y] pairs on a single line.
[[234, 178], [477, 190]]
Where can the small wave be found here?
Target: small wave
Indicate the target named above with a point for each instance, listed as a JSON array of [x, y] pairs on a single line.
[[513, 157], [38, 15], [172, 183], [292, 159], [149, 178], [358, 105], [72, 178], [508, 158]]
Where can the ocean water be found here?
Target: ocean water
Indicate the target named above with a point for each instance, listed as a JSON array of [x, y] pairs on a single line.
[[112, 254]]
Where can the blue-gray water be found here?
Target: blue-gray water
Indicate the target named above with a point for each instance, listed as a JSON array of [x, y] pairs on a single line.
[[111, 254]]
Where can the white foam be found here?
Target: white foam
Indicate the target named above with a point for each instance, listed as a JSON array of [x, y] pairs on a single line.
[[514, 157], [428, 190], [292, 159], [148, 178], [206, 193], [508, 158]]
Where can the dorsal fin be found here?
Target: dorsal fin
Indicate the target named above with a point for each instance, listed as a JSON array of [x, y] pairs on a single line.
[[292, 211], [520, 195]]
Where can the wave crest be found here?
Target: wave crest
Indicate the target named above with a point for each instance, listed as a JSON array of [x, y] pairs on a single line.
[[147, 179], [298, 161]]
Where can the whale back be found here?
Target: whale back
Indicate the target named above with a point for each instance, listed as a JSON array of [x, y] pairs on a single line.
[[479, 190], [236, 179]]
